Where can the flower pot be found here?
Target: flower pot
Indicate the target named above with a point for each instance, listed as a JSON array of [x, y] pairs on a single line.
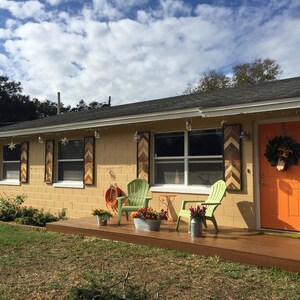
[[102, 221], [196, 228], [147, 225]]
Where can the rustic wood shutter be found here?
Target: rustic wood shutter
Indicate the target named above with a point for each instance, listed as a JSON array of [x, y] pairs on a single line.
[[89, 169], [232, 157], [24, 162], [49, 161], [143, 156]]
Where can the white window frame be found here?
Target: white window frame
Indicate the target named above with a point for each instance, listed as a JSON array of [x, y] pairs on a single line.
[[182, 188], [9, 181], [76, 184]]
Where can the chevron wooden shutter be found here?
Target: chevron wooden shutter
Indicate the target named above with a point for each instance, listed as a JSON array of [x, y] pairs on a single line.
[[49, 161], [143, 156], [89, 143], [24, 162], [232, 157]]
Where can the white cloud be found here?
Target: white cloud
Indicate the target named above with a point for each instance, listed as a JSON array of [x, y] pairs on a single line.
[[53, 2], [87, 57], [104, 9], [23, 10]]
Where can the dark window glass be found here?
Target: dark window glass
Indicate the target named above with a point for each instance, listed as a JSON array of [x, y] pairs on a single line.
[[204, 172], [11, 170], [70, 171], [205, 142], [169, 144], [12, 155], [72, 150], [169, 172]]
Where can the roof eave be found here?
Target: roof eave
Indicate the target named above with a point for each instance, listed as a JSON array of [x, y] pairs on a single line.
[[134, 119], [229, 110], [249, 108]]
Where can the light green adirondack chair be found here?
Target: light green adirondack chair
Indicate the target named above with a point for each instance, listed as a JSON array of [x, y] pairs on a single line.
[[137, 191], [214, 199]]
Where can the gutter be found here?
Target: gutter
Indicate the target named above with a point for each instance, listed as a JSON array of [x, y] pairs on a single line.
[[228, 110], [250, 108], [134, 119]]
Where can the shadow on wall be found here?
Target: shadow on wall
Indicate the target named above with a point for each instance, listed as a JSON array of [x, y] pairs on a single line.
[[172, 213], [247, 211]]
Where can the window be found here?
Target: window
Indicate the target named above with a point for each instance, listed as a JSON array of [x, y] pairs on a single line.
[[11, 162], [188, 158], [70, 161]]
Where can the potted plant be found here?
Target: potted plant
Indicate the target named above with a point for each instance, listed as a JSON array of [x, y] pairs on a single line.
[[197, 215], [102, 216], [148, 219]]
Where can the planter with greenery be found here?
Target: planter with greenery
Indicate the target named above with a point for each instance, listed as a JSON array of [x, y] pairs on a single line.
[[197, 214], [148, 219], [102, 216]]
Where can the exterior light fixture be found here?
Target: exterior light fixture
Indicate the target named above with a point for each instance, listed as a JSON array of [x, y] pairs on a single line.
[[245, 135], [188, 125], [40, 140], [97, 134], [136, 137]]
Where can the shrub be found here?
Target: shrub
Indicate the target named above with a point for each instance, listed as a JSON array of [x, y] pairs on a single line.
[[11, 210], [10, 207], [35, 217]]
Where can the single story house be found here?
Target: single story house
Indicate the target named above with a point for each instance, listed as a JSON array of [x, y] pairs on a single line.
[[181, 145]]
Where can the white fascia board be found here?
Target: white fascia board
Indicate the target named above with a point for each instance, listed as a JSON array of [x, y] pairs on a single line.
[[134, 119], [248, 108]]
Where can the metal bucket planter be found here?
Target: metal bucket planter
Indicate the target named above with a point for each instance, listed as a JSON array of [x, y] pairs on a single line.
[[102, 221], [196, 228], [147, 225]]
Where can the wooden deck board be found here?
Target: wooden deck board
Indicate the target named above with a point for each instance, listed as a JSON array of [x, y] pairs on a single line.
[[243, 246]]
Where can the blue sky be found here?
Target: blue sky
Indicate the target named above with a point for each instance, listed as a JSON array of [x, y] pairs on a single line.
[[138, 50]]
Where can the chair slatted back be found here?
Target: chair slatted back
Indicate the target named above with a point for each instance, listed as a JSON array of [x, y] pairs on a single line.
[[216, 195], [137, 191]]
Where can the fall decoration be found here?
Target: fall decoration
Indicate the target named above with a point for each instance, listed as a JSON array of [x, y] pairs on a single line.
[[282, 152]]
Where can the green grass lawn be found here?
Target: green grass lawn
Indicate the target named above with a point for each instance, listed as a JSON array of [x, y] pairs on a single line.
[[43, 265]]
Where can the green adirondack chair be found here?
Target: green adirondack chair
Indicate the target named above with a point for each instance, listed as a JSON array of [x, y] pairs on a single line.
[[137, 191], [214, 199]]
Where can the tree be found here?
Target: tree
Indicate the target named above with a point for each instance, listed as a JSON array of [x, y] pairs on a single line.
[[255, 72], [14, 106], [49, 108], [210, 81], [81, 106]]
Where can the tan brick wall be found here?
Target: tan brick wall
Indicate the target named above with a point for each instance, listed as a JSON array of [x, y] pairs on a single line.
[[116, 156]]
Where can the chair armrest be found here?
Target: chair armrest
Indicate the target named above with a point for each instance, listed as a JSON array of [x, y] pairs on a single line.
[[120, 202], [147, 200], [184, 202], [122, 198]]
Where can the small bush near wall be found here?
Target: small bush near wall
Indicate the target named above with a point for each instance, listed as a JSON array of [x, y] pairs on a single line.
[[11, 210], [10, 207]]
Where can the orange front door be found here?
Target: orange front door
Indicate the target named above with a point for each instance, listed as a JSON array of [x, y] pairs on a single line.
[[279, 190]]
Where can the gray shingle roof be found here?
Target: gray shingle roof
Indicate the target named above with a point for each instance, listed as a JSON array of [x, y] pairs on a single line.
[[281, 89]]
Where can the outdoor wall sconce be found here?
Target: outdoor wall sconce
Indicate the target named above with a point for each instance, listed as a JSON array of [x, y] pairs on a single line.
[[97, 134], [137, 137], [40, 140], [188, 125], [245, 135]]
